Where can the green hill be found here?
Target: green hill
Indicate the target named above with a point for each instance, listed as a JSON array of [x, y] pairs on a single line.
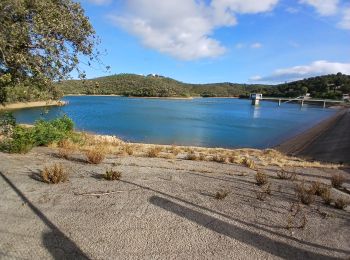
[[153, 86], [329, 86]]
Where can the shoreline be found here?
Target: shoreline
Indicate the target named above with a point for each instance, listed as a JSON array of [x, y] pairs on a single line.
[[20, 105], [89, 95], [114, 95]]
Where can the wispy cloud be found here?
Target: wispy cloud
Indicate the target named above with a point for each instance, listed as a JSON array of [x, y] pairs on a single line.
[[338, 8], [184, 28], [256, 45], [240, 45], [345, 21], [316, 68], [292, 10], [323, 7]]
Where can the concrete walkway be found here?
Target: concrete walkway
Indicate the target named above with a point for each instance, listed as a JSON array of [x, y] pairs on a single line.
[[328, 141]]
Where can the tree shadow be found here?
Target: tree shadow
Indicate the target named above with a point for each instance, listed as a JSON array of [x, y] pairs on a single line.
[[70, 158], [55, 241], [238, 220], [61, 247], [97, 176], [35, 175], [262, 242]]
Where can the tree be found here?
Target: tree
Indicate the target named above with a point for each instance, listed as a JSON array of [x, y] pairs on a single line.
[[41, 41], [304, 90]]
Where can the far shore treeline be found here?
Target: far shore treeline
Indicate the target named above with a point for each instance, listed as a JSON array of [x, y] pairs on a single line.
[[328, 86]]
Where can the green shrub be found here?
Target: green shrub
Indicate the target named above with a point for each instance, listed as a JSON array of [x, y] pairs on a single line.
[[7, 123], [22, 139], [46, 132]]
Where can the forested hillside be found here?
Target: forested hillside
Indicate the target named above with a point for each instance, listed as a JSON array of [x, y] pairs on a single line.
[[329, 86], [154, 86]]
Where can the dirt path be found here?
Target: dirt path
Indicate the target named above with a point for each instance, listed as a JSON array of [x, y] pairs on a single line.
[[163, 208]]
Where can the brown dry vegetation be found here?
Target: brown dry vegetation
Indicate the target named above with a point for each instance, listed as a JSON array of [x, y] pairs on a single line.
[[248, 163], [297, 217], [191, 156], [317, 188], [261, 178], [285, 175], [66, 148], [112, 175], [304, 194], [54, 174], [264, 192], [129, 149], [341, 203], [326, 196], [219, 158], [252, 158], [337, 180], [220, 195], [154, 151], [96, 155]]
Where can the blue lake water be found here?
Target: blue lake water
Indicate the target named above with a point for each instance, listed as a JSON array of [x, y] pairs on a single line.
[[211, 122]]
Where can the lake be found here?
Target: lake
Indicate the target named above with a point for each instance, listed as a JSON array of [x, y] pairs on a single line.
[[209, 122]]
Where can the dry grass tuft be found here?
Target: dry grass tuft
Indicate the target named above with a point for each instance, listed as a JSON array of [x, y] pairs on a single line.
[[219, 158], [261, 178], [220, 195], [284, 175], [264, 192], [260, 195], [191, 156], [54, 174], [168, 156], [96, 155], [154, 151], [174, 150], [317, 188], [326, 196], [202, 157], [248, 163], [341, 203], [66, 148], [112, 175], [267, 189], [304, 194], [273, 157], [129, 149], [297, 217], [337, 180], [235, 159]]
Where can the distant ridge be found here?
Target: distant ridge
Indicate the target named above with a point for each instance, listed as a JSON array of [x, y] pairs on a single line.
[[328, 86]]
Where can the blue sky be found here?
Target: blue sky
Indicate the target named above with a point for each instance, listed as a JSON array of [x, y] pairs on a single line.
[[201, 41]]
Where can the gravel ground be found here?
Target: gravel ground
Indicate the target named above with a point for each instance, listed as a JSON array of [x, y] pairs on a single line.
[[163, 208]]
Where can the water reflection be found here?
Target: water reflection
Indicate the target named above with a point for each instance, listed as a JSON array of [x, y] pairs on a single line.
[[256, 111]]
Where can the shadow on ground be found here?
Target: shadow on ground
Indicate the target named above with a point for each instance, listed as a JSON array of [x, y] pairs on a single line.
[[256, 240], [55, 241], [260, 241]]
